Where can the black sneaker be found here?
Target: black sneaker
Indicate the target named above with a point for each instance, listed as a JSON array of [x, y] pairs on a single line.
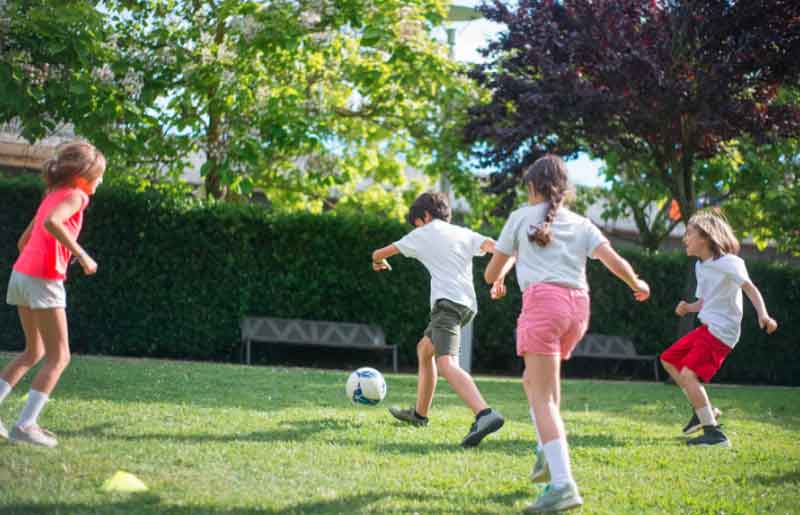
[[712, 435], [483, 426], [408, 415], [694, 424]]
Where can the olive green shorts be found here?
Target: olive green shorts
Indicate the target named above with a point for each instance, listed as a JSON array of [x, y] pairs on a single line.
[[444, 329]]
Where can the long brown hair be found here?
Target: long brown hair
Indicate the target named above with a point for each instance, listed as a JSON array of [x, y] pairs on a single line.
[[714, 227], [548, 177], [78, 159]]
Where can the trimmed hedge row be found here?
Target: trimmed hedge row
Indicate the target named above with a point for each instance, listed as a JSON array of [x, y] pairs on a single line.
[[175, 276]]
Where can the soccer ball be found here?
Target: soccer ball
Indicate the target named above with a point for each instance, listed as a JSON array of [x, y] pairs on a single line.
[[366, 386]]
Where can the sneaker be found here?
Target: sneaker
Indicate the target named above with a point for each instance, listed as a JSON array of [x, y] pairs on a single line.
[[34, 435], [540, 472], [408, 415], [3, 431], [694, 424], [556, 499], [483, 426], [712, 435]]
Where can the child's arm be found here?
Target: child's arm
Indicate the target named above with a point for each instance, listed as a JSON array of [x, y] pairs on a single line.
[[379, 257], [620, 267], [498, 267], [685, 307], [26, 235], [765, 321], [54, 223], [488, 245]]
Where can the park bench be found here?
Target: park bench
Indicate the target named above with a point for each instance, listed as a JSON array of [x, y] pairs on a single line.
[[612, 347], [313, 332]]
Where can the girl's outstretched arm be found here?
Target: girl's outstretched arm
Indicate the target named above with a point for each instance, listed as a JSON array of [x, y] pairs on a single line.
[[765, 321], [620, 267], [498, 267]]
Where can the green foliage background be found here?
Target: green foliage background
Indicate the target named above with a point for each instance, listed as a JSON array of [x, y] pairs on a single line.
[[176, 276]]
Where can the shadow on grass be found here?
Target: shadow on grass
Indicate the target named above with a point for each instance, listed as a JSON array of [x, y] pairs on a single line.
[[294, 432], [148, 503], [792, 477]]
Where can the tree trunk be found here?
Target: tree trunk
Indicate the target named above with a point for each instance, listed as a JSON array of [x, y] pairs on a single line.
[[687, 200]]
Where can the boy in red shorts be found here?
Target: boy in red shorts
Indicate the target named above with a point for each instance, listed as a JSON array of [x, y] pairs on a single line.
[[695, 358]]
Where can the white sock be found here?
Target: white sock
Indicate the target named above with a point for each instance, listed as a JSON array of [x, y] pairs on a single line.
[[706, 415], [34, 406], [557, 454], [536, 429], [5, 389]]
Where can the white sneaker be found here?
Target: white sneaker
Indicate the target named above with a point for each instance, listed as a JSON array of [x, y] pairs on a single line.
[[3, 431], [33, 435]]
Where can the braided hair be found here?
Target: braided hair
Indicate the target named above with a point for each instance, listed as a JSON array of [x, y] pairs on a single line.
[[548, 177]]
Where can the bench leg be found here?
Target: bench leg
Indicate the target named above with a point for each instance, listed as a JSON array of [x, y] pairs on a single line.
[[247, 351], [394, 359], [655, 368]]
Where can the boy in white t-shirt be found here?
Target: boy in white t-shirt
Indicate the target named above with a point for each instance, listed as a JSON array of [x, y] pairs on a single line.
[[721, 277], [446, 251]]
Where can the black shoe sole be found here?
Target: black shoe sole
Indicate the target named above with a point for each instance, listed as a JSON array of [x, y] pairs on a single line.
[[474, 439]]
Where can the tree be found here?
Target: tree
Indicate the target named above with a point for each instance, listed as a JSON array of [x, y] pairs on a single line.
[[632, 193], [670, 80], [300, 99]]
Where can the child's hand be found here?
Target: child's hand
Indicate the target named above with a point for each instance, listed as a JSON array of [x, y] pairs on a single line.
[[381, 265], [682, 308], [642, 291], [767, 323], [88, 264], [498, 290]]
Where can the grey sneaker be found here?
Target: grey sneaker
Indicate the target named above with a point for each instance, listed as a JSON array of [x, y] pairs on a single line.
[[540, 472], [556, 499], [3, 431], [712, 436], [694, 424], [408, 415], [33, 435], [483, 426]]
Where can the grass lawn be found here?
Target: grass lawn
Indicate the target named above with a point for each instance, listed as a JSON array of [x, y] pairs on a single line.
[[216, 438]]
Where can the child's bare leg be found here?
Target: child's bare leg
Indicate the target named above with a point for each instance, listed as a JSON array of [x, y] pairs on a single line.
[[34, 349], [673, 372], [694, 389], [52, 324], [461, 382], [426, 376], [541, 383]]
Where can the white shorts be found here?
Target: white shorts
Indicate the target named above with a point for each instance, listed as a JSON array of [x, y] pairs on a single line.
[[35, 293]]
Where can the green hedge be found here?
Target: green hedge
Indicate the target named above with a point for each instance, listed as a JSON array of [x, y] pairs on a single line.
[[176, 276]]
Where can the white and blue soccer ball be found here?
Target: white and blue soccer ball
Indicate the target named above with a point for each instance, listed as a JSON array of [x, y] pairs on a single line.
[[366, 386]]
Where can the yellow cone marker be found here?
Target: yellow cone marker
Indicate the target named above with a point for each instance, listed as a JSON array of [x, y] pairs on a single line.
[[123, 481]]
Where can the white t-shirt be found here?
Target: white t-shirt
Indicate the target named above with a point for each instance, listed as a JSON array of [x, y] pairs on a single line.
[[719, 284], [563, 260], [446, 250]]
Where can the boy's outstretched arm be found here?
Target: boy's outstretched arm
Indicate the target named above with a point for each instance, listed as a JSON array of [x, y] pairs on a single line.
[[765, 321], [620, 267], [379, 257]]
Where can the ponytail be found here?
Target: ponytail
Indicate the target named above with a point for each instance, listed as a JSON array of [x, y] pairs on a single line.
[[540, 233]]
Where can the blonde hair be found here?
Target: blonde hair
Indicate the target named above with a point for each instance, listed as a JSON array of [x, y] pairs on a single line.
[[73, 160], [714, 227], [548, 176]]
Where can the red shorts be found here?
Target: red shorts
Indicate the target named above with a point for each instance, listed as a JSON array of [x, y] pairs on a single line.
[[699, 351]]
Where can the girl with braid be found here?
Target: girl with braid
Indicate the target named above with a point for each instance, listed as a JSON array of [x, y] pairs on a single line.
[[550, 245]]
